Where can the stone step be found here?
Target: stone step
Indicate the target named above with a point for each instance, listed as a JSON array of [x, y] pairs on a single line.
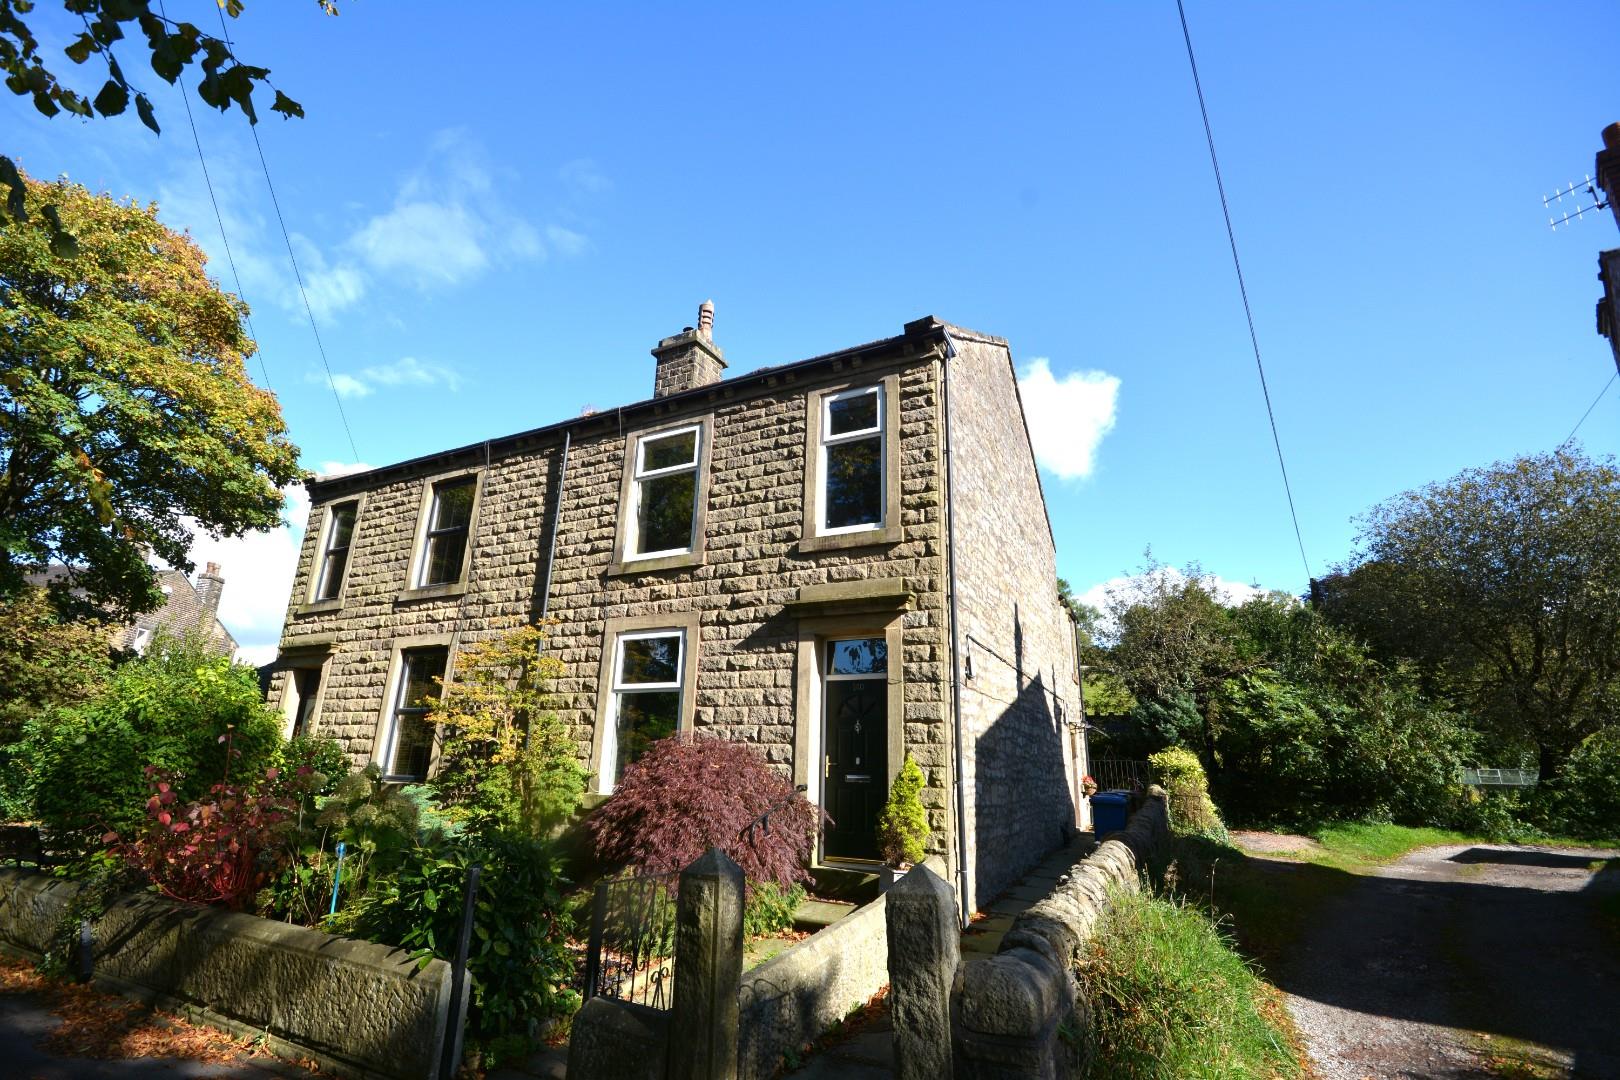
[[812, 915], [843, 883]]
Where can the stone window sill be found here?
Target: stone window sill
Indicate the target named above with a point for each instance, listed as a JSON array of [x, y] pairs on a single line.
[[432, 592], [841, 541], [667, 562], [318, 607]]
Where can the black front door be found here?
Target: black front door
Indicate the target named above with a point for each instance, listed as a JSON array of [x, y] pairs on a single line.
[[857, 771]]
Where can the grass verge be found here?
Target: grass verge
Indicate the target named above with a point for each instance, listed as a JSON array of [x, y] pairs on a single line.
[[1172, 1000], [1356, 845]]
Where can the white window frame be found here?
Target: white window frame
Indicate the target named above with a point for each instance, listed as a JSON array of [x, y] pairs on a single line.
[[328, 528], [640, 473], [878, 429], [606, 779], [389, 739]]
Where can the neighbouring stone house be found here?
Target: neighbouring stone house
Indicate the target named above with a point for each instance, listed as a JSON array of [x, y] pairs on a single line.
[[839, 560], [188, 607]]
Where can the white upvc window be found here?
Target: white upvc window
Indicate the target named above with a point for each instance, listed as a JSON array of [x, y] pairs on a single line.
[[647, 689], [405, 745], [850, 462], [663, 494]]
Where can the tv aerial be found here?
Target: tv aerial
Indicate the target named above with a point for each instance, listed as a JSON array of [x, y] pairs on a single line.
[[1575, 193]]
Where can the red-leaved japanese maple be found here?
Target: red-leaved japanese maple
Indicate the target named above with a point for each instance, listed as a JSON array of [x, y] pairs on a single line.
[[689, 793]]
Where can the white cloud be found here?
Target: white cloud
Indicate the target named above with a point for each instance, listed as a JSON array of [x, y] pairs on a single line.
[[406, 371], [1067, 417], [330, 469], [347, 386], [583, 176], [426, 243], [566, 242], [331, 287], [449, 224]]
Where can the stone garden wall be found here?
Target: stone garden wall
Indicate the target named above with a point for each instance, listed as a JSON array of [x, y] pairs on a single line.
[[359, 1009]]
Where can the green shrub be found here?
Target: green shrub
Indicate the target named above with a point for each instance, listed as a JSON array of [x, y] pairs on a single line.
[[1172, 1000], [1191, 809], [190, 714], [770, 908], [506, 759], [1584, 799], [519, 962], [323, 755], [903, 825]]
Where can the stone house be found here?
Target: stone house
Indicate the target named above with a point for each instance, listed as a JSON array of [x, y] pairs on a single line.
[[840, 560], [188, 607]]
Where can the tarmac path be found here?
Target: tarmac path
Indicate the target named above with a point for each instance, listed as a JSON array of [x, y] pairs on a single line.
[[1471, 961]]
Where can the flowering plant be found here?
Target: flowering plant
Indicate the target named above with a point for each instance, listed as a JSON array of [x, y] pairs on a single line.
[[1088, 785]]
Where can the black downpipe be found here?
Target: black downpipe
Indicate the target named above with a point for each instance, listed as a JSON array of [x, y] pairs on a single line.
[[556, 522], [956, 649]]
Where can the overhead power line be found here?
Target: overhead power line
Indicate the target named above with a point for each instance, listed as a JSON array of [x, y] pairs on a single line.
[[1243, 290], [303, 293], [1588, 412], [185, 99]]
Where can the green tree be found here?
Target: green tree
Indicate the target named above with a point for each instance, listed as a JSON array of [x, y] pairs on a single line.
[[171, 46], [46, 661], [1174, 646], [125, 408], [1503, 584], [179, 708]]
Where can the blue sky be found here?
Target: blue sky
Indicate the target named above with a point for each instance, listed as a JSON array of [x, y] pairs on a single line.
[[500, 208]]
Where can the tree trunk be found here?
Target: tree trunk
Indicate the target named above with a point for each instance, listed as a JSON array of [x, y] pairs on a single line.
[[1551, 761]]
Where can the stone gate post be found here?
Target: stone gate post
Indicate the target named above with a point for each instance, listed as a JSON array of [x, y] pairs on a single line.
[[924, 948], [708, 970]]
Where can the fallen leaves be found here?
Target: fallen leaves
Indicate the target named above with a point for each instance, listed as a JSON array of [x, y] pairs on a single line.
[[98, 1025]]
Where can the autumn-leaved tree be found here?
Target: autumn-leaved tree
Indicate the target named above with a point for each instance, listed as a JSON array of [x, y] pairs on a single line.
[[506, 759], [125, 406], [1503, 583]]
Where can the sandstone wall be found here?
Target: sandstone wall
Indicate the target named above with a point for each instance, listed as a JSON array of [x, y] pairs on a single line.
[[1018, 751], [360, 1009]]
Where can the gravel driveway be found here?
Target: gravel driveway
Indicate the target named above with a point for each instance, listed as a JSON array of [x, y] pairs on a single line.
[[1455, 955]]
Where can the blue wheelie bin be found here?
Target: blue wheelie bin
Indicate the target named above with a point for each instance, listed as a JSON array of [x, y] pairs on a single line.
[[1108, 810]]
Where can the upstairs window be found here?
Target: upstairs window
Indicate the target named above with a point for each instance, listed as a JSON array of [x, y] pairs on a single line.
[[664, 496], [444, 549], [335, 551], [851, 465], [407, 744], [646, 697]]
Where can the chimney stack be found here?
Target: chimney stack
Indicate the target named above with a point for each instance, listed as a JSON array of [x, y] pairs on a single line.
[[689, 359], [209, 586], [1608, 168]]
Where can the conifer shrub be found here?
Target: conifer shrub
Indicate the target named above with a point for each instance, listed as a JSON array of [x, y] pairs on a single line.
[[1191, 808], [691, 792], [903, 825]]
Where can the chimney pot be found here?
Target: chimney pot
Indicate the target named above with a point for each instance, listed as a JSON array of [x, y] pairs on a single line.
[[1611, 137], [212, 569], [706, 320]]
